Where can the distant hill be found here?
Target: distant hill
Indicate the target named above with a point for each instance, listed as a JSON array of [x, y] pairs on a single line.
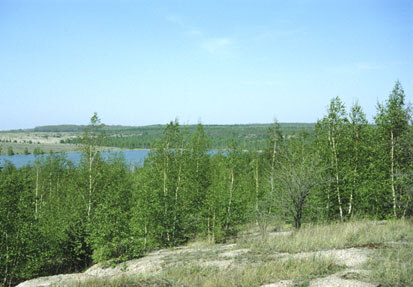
[[59, 128], [246, 135], [288, 127]]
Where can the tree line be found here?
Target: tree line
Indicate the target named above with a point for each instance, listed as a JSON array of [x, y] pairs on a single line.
[[248, 136], [57, 217]]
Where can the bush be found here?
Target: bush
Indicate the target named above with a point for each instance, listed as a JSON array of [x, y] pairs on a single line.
[[38, 151], [10, 151]]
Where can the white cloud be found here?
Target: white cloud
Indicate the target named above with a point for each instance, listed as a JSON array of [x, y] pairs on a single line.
[[193, 32], [175, 19], [217, 45], [214, 45]]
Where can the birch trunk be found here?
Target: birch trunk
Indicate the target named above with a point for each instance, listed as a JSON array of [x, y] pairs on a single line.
[[165, 194], [231, 186], [213, 227], [333, 144], [146, 236], [392, 174], [274, 152], [165, 188], [256, 190], [209, 230], [350, 204], [37, 192], [178, 185], [7, 262], [91, 159]]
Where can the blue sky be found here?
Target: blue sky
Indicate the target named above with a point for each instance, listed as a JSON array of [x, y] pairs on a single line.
[[219, 62]]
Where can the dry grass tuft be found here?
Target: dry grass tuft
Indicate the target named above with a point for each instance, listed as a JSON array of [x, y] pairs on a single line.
[[334, 236]]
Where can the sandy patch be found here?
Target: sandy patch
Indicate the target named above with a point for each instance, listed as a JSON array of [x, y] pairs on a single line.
[[350, 257], [207, 256], [340, 280], [234, 253], [283, 283]]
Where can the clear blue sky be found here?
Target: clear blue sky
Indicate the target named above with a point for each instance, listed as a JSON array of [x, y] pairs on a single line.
[[221, 62]]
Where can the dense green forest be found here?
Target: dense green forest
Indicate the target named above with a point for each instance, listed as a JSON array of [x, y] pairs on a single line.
[[251, 136], [56, 217]]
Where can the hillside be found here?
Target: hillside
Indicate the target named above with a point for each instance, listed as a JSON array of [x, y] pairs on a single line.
[[363, 254], [248, 136]]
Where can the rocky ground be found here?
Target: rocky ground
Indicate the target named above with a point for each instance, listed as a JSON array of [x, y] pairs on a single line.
[[224, 257]]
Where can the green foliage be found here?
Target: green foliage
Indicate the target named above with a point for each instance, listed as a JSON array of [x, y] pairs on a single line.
[[21, 239], [246, 136], [109, 233], [38, 151], [358, 157], [10, 151], [394, 120], [56, 217], [298, 175]]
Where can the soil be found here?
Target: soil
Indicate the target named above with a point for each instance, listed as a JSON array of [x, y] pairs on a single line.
[[221, 256]]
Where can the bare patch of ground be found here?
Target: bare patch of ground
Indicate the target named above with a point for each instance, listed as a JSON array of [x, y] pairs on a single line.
[[37, 137], [283, 283], [45, 141], [222, 257], [56, 280], [234, 253], [350, 257], [346, 278], [283, 233]]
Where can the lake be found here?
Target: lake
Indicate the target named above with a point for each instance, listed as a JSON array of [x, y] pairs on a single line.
[[132, 156]]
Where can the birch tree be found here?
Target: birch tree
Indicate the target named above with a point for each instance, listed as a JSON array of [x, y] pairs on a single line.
[[93, 137], [393, 120], [331, 137], [272, 153], [357, 125], [110, 232], [215, 206]]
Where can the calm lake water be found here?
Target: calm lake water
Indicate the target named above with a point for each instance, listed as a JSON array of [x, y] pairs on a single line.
[[132, 156]]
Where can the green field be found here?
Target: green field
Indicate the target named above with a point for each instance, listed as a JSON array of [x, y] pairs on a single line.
[[28, 141]]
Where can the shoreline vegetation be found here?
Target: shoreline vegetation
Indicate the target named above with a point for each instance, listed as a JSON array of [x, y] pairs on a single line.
[[65, 138], [26, 149], [338, 192]]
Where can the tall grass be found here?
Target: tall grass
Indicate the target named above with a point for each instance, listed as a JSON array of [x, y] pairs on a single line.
[[333, 236], [392, 266], [301, 270], [250, 274]]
